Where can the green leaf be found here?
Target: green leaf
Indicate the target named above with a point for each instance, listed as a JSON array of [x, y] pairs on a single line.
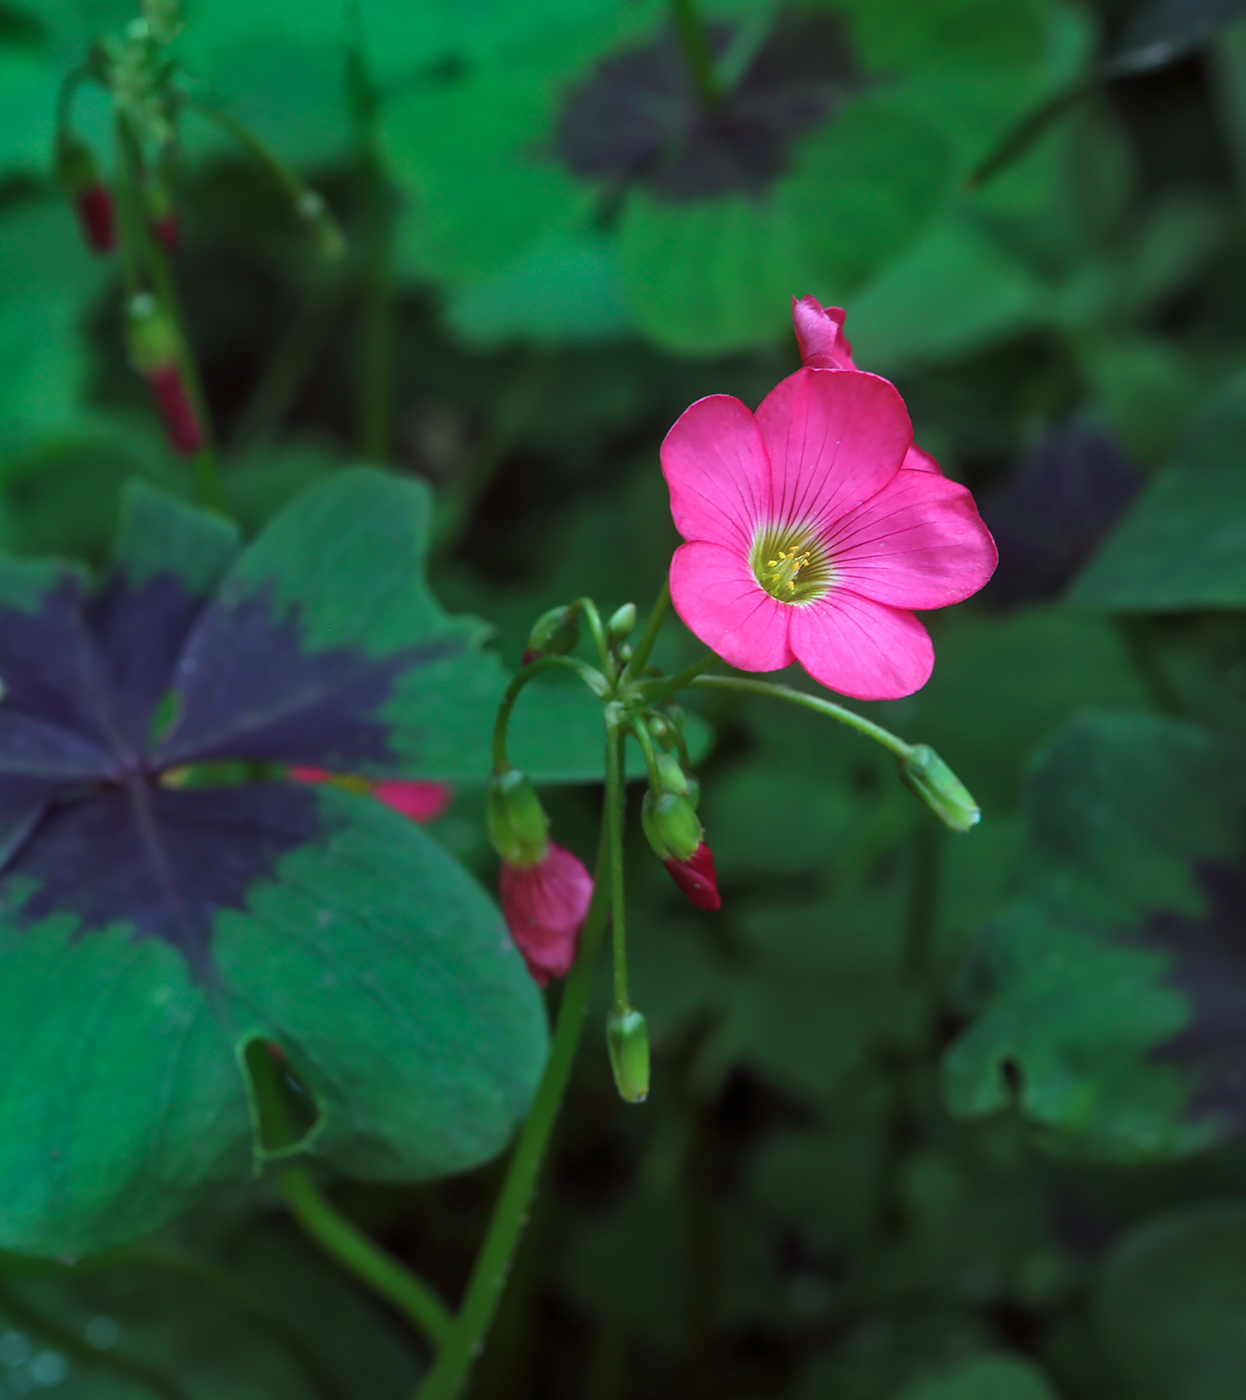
[[1098, 992], [379, 966], [997, 1377], [1183, 543], [1171, 1303]]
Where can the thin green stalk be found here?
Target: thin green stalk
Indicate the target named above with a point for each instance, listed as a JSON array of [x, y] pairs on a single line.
[[645, 741], [693, 41], [616, 811], [339, 1237], [810, 702], [589, 609], [129, 210], [449, 1373], [66, 1340], [650, 635], [345, 1242], [520, 679], [277, 168], [660, 689]]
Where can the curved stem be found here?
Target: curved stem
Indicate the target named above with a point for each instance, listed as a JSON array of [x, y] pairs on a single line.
[[449, 1373], [660, 689], [645, 741], [809, 702], [650, 635], [589, 609], [591, 678], [616, 809], [356, 1253]]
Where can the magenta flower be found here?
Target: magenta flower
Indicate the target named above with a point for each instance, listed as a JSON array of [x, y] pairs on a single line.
[[807, 540], [419, 801], [544, 904]]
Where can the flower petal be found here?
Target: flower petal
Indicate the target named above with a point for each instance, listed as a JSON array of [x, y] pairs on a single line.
[[919, 543], [714, 591], [834, 438], [862, 648], [820, 335], [715, 464], [915, 460]]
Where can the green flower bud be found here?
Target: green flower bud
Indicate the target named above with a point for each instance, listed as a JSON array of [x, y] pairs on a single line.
[[672, 825], [621, 623], [939, 788], [627, 1040], [673, 777], [150, 335], [75, 165], [516, 820], [554, 633]]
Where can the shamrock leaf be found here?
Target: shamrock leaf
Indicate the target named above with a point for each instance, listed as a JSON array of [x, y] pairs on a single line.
[[167, 897]]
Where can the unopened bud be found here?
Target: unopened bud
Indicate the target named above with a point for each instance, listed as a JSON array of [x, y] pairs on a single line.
[[161, 215], [671, 824], [622, 622], [516, 820], [627, 1040], [154, 347], [554, 633], [314, 212], [673, 777], [76, 172], [939, 788], [697, 877]]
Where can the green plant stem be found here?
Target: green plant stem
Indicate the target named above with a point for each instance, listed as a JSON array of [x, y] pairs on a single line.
[[129, 212], [650, 635], [345, 1242], [690, 30], [616, 811], [449, 1373], [339, 1237], [589, 609], [1029, 129], [659, 689], [809, 702], [643, 738], [591, 678], [64, 1339]]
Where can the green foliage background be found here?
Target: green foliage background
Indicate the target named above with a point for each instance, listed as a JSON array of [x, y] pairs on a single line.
[[934, 1117]]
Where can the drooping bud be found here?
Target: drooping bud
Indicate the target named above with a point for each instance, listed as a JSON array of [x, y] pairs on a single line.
[[820, 335], [314, 212], [673, 777], [671, 824], [544, 905], [621, 623], [939, 788], [161, 215], [697, 877], [517, 822], [77, 175], [627, 1040], [153, 343], [554, 633]]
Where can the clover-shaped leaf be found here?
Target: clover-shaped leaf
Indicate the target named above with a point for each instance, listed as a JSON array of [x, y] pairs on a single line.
[[167, 896]]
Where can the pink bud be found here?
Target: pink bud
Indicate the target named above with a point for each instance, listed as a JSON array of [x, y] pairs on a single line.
[[180, 422], [544, 905], [696, 877], [820, 335], [168, 229], [95, 214]]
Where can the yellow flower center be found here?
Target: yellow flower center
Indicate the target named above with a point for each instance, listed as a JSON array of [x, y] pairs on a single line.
[[791, 564]]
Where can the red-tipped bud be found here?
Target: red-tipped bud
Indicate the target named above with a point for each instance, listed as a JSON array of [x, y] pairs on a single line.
[[78, 176], [696, 877], [544, 905], [153, 344], [820, 335], [554, 633], [180, 423], [671, 824]]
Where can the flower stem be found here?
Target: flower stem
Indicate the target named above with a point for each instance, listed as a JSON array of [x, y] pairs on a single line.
[[616, 811], [449, 1373], [698, 59], [660, 689], [591, 678], [810, 702], [357, 1254], [339, 1237], [650, 635]]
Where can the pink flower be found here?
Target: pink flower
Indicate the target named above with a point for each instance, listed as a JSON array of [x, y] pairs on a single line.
[[807, 541], [544, 905], [697, 877], [421, 802]]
